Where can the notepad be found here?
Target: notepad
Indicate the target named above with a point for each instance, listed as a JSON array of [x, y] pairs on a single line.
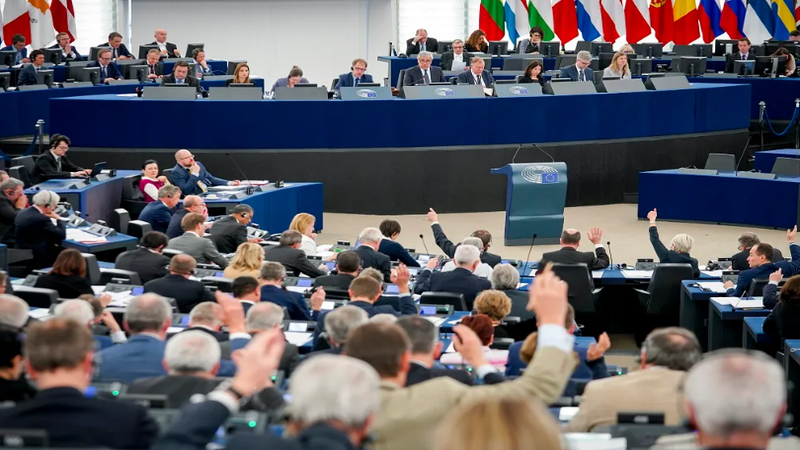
[[755, 303], [458, 65], [637, 273], [712, 273], [597, 274], [297, 338], [39, 313], [713, 286], [75, 234], [328, 305]]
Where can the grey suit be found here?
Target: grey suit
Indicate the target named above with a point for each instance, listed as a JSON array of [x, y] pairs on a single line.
[[413, 76], [201, 249]]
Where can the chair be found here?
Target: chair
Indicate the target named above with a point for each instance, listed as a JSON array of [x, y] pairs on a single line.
[[721, 161], [519, 304], [444, 298], [582, 295], [21, 173], [334, 83], [501, 343], [92, 268], [131, 277], [640, 436], [756, 288], [168, 173], [138, 228], [400, 77], [336, 294], [444, 46], [785, 166], [662, 298], [28, 161], [132, 197], [222, 284], [36, 297], [119, 220], [170, 252]]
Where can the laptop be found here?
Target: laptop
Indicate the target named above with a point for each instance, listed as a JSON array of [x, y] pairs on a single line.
[[98, 168]]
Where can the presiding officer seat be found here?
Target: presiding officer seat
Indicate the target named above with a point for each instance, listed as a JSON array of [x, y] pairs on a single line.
[[36, 297], [444, 298]]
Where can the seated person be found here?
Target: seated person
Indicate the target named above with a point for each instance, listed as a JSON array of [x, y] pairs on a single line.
[[746, 241], [627, 49], [229, 232], [368, 243], [192, 177], [246, 262], [348, 265], [476, 42], [496, 306], [591, 365], [389, 246], [456, 55], [247, 291], [580, 71], [90, 311], [618, 68], [304, 224], [762, 266], [36, 231], [177, 285], [55, 164], [295, 76], [403, 302], [12, 201], [207, 318], [338, 324], [240, 75], [460, 281], [272, 276], [147, 260], [449, 248], [155, 68], [483, 270], [118, 49], [18, 44], [191, 204], [199, 56], [505, 278], [569, 254], [288, 253], [679, 248], [108, 69], [180, 75], [14, 387], [27, 75], [421, 43], [744, 54], [68, 52], [357, 75], [194, 244], [151, 182], [782, 323], [531, 45], [165, 49], [476, 74], [426, 348], [423, 73], [159, 213], [533, 73], [68, 276], [481, 324]]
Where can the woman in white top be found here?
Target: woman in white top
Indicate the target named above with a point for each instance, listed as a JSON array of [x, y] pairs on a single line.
[[481, 324], [150, 182], [618, 68], [304, 224]]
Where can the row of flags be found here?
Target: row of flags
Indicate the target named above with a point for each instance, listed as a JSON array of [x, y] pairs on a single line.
[[678, 21], [38, 20]]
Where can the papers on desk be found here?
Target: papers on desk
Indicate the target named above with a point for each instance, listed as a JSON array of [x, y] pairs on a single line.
[[520, 285], [740, 303], [712, 273], [713, 286], [325, 254], [174, 330], [226, 188], [297, 338], [75, 234], [458, 65], [254, 182], [597, 274], [450, 348], [324, 248], [328, 305], [637, 273], [298, 289], [39, 313], [488, 91], [438, 321], [119, 299]]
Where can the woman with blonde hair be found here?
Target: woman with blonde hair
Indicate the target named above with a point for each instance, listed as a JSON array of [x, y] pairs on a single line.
[[499, 423], [303, 223], [246, 262], [476, 42], [627, 49], [618, 68]]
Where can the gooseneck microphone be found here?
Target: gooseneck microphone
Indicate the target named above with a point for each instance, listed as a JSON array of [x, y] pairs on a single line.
[[610, 256], [423, 243], [533, 240], [250, 188]]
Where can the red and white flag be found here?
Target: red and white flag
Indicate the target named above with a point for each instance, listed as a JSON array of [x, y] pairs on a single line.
[[16, 20], [30, 18], [637, 20], [64, 18]]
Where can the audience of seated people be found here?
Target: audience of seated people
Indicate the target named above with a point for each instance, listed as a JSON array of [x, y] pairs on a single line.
[[678, 253], [461, 280], [761, 265], [390, 229], [39, 229], [483, 270], [177, 285], [288, 253], [348, 265], [247, 290], [369, 242], [191, 204], [273, 276], [229, 232], [748, 240]]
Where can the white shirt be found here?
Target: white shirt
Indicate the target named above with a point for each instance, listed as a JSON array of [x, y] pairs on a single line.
[[475, 77], [66, 51], [151, 189], [427, 71], [58, 158], [161, 45], [458, 57], [581, 78], [308, 246]]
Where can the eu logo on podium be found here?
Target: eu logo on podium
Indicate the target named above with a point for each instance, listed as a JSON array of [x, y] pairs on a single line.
[[540, 174]]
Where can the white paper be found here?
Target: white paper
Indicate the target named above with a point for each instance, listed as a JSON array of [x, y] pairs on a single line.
[[82, 236], [597, 274], [437, 321], [723, 300], [566, 413], [254, 182], [298, 289], [225, 188], [98, 289], [450, 348], [715, 286], [422, 259], [712, 273], [297, 338], [519, 285], [488, 91], [328, 305], [324, 248], [755, 303], [39, 313], [458, 65], [324, 253], [174, 330], [637, 273]]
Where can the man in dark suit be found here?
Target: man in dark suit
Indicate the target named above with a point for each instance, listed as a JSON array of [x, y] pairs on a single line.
[[761, 265], [338, 324], [12, 200], [461, 280], [58, 354], [348, 264], [569, 254], [147, 260], [457, 54], [449, 248], [18, 45], [192, 177], [191, 204], [476, 74], [177, 285], [247, 291], [68, 52], [55, 164], [166, 49], [180, 75], [748, 240], [744, 54], [155, 68], [423, 73], [289, 254], [264, 317], [272, 276], [108, 68], [229, 232], [27, 75], [421, 43], [357, 75], [159, 213], [403, 302], [118, 49], [426, 348], [36, 231], [369, 241], [580, 71]]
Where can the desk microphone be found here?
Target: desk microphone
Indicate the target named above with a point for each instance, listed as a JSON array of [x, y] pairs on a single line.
[[533, 240], [423, 243], [610, 256], [250, 188], [744, 152], [514, 158]]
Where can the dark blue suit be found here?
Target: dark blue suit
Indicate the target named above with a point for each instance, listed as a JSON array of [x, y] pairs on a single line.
[[459, 281], [36, 232], [188, 182], [746, 276], [571, 72], [27, 76], [158, 215], [112, 71], [372, 310], [396, 252], [586, 370], [294, 303], [347, 80], [174, 229], [72, 48], [466, 77], [22, 54], [142, 357]]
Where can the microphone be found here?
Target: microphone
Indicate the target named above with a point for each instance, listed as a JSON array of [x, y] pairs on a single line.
[[514, 158], [542, 150], [423, 243], [533, 240], [610, 256], [747, 144], [414, 83], [250, 188]]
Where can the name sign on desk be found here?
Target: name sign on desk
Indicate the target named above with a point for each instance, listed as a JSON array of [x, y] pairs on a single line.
[[236, 93], [517, 90], [690, 171], [300, 93], [366, 93], [170, 93], [442, 91]]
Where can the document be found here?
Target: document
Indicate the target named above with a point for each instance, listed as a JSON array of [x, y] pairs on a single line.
[[597, 274], [437, 321], [713, 286], [174, 330], [297, 338], [519, 285], [328, 305], [458, 65], [75, 234], [723, 300], [226, 188], [637, 273], [119, 299], [748, 303], [450, 348], [39, 313], [298, 289], [324, 248], [254, 182], [712, 273]]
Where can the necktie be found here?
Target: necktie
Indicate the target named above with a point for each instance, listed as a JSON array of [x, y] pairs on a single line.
[[580, 76], [180, 81], [422, 46], [116, 53], [103, 73], [152, 70], [355, 81], [58, 164], [479, 80], [426, 77]]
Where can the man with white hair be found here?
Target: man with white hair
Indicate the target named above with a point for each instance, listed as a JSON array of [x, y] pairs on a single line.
[[460, 280], [13, 311], [40, 229], [568, 254], [680, 247], [338, 324], [580, 71], [81, 311], [423, 73], [12, 200], [165, 49], [368, 243], [483, 270], [207, 318]]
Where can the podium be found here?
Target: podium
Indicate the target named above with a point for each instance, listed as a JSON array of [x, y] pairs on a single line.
[[535, 199]]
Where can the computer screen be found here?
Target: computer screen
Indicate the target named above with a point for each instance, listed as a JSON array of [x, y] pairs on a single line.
[[600, 47], [138, 73], [725, 46], [190, 48], [744, 68], [304, 282], [649, 50], [7, 57], [692, 65], [144, 49], [44, 77], [53, 55], [5, 80], [640, 66], [770, 66], [550, 49], [498, 48]]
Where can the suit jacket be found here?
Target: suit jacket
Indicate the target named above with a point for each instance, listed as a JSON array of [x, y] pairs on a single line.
[[347, 80], [174, 229], [141, 357], [585, 371], [739, 260], [36, 232], [525, 46], [340, 281], [112, 71], [649, 390], [178, 388], [188, 182], [170, 49], [47, 168], [190, 80], [431, 45], [413, 76], [376, 260], [568, 255], [459, 281], [73, 52], [67, 286], [158, 215], [228, 234], [671, 256], [448, 57], [8, 213], [289, 359], [371, 309], [784, 320], [397, 252], [284, 82], [294, 302], [27, 75], [147, 264], [71, 420], [158, 68], [417, 373], [187, 293], [201, 249], [449, 248], [117, 52], [21, 54], [735, 56], [466, 77], [293, 259], [746, 276], [571, 72]]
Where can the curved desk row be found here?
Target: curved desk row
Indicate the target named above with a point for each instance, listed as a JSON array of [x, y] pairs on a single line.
[[778, 93], [218, 66]]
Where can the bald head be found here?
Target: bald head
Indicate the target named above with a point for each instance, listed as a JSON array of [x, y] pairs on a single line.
[[182, 264], [570, 238], [161, 35], [184, 158], [192, 200]]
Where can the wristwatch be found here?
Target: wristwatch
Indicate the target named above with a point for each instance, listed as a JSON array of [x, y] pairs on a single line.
[[227, 386]]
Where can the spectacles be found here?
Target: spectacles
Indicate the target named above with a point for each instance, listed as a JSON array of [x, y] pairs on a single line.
[[62, 147]]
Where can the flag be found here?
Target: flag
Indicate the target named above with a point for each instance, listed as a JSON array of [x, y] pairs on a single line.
[[758, 21], [16, 20], [566, 20], [783, 11], [613, 19], [42, 31], [1, 28], [637, 20], [540, 14], [797, 14], [709, 15], [64, 18], [661, 19], [516, 12], [590, 21], [685, 29], [732, 18], [491, 20]]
